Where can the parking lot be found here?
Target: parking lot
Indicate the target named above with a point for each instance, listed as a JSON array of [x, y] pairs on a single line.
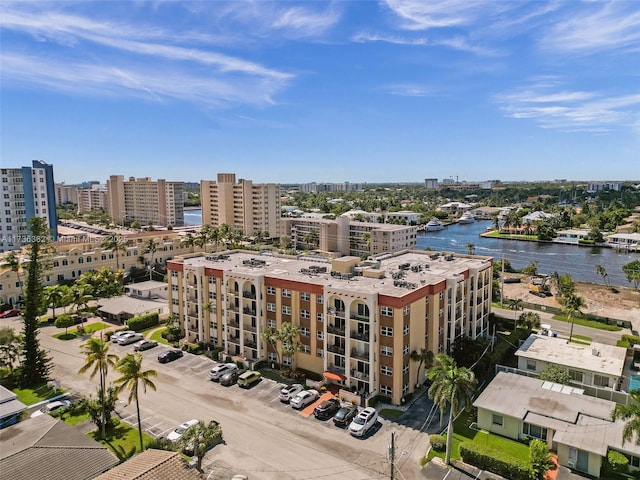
[[265, 391]]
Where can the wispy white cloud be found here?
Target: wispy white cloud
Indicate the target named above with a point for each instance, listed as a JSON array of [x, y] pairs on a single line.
[[572, 110], [131, 62], [596, 27], [364, 37], [305, 22], [409, 90], [422, 15], [454, 42]]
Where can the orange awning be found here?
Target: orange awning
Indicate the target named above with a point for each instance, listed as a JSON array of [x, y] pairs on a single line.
[[334, 376]]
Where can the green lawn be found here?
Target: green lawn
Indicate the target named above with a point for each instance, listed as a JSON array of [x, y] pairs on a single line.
[[36, 394], [391, 413], [157, 336], [581, 339], [74, 418], [496, 234], [464, 433], [274, 375], [88, 330], [122, 439], [588, 323]]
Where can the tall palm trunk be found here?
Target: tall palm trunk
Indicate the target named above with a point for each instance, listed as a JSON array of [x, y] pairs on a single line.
[[103, 375], [447, 458], [139, 423]]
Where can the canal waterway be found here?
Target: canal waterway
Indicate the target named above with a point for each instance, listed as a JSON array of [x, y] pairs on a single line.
[[579, 262]]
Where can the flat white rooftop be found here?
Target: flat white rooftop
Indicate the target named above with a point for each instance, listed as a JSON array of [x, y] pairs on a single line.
[[597, 357]]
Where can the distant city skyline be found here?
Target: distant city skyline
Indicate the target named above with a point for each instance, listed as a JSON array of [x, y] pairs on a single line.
[[391, 91]]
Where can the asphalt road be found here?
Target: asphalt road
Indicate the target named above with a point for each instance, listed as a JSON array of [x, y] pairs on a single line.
[[263, 438]]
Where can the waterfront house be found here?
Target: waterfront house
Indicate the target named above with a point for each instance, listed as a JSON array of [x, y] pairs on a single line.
[[576, 426]]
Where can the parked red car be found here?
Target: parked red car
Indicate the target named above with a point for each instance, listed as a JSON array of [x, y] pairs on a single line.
[[12, 312]]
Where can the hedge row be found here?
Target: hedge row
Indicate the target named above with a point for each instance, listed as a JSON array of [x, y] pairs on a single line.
[[495, 461], [628, 341], [143, 321]]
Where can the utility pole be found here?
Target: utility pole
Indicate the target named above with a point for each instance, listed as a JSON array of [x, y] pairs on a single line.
[[392, 455], [502, 283]]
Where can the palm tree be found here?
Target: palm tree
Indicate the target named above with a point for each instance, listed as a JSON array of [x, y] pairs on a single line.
[[199, 438], [571, 305], [150, 246], [289, 335], [188, 241], [271, 336], [130, 367], [423, 356], [81, 294], [202, 237], [117, 244], [600, 270], [450, 386], [515, 304], [530, 320], [15, 264], [630, 413], [54, 296], [97, 356], [471, 248]]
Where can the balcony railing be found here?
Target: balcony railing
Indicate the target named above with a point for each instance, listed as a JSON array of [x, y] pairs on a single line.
[[359, 375], [335, 330], [250, 344], [233, 308], [249, 311], [233, 324], [334, 368], [250, 295], [337, 313], [360, 354], [234, 340], [336, 349], [363, 337], [249, 328], [361, 318]]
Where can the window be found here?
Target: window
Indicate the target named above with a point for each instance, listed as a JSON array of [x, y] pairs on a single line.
[[271, 323], [306, 296], [305, 348], [534, 431], [320, 353], [320, 335], [271, 307], [80, 260], [286, 361], [320, 299], [386, 311], [386, 351], [320, 317], [600, 381], [386, 390], [405, 368], [575, 375], [405, 349], [497, 420], [305, 332], [384, 370], [286, 310], [305, 314], [531, 364], [406, 310], [405, 388], [272, 357], [271, 290], [405, 330], [286, 293], [386, 331]]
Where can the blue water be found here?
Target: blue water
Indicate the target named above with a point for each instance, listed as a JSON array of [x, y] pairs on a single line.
[[579, 262], [634, 382]]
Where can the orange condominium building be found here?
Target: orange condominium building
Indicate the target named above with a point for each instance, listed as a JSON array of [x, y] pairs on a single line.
[[359, 320]]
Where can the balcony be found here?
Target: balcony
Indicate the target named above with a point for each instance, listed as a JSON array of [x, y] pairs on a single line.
[[360, 354], [335, 330], [336, 349], [249, 328], [249, 311], [233, 308], [250, 295], [362, 336], [337, 313], [233, 324], [250, 344], [334, 368], [360, 318], [359, 375], [235, 340]]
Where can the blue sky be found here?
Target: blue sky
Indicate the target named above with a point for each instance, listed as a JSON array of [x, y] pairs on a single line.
[[360, 91]]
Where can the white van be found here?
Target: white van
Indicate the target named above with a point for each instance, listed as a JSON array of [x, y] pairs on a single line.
[[363, 422]]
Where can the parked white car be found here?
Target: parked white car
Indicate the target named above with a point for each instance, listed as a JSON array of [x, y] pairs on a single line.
[[363, 422], [304, 398], [219, 370], [117, 335], [176, 434], [130, 338], [50, 407], [289, 391]]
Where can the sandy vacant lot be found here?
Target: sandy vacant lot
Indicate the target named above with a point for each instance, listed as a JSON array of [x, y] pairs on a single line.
[[600, 300]]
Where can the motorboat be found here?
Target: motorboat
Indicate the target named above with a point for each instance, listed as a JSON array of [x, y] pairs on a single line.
[[466, 217], [433, 225]]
